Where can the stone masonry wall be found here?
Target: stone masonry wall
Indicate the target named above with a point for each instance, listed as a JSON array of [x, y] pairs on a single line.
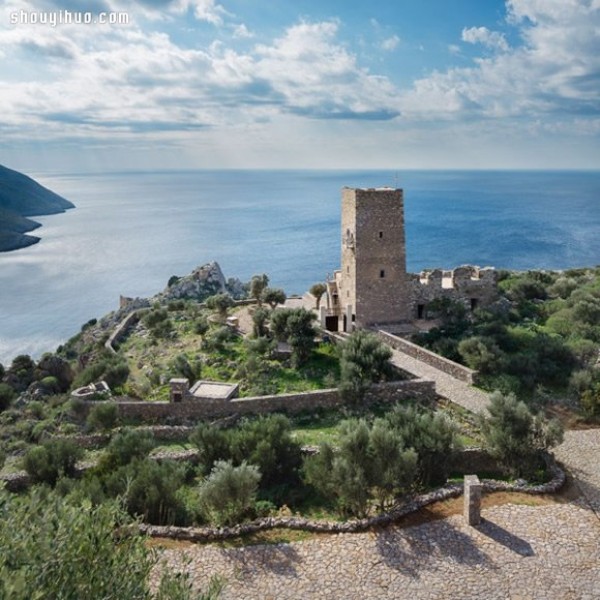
[[468, 284], [156, 412], [430, 358]]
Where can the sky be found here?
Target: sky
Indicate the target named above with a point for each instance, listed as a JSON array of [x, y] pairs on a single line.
[[390, 84]]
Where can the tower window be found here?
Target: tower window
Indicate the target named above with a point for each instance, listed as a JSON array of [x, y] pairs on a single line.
[[348, 269], [380, 234], [382, 273]]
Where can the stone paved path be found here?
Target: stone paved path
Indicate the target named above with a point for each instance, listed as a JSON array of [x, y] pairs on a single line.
[[580, 452], [457, 391], [549, 552]]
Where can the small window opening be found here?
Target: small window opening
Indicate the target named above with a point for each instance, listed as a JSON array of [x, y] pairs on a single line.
[[421, 311], [382, 273], [474, 303], [380, 234], [177, 397]]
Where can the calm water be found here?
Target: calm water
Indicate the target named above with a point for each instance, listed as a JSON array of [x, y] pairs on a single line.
[[131, 232]]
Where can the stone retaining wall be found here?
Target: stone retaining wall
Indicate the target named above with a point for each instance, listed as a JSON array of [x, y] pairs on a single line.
[[210, 534], [432, 359], [121, 330], [156, 412]]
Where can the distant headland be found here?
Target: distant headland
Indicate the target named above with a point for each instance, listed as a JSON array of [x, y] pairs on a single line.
[[22, 197]]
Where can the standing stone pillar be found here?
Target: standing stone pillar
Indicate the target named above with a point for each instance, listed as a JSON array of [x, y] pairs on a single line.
[[472, 506]]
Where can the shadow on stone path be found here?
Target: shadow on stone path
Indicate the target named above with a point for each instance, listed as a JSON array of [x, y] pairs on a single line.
[[505, 537], [280, 559], [415, 550]]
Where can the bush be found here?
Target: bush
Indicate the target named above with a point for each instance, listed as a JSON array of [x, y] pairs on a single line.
[[53, 549], [103, 417], [433, 437], [370, 462], [201, 326], [212, 444], [482, 354], [295, 325], [53, 459], [265, 442], [152, 492], [220, 303], [516, 437], [124, 448], [7, 394], [364, 359], [228, 492]]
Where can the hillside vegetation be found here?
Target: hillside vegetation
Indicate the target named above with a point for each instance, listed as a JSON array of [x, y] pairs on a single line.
[[540, 340]]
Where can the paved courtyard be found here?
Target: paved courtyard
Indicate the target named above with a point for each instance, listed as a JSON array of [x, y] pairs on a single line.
[[549, 552]]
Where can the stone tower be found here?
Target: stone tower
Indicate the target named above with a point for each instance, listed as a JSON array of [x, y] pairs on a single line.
[[372, 285]]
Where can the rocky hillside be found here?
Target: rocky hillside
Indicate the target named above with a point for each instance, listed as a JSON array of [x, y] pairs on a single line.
[[22, 197]]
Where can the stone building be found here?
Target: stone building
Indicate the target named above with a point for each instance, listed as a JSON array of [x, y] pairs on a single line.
[[372, 288]]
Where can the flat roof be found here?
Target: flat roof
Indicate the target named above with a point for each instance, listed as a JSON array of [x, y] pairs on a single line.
[[213, 389]]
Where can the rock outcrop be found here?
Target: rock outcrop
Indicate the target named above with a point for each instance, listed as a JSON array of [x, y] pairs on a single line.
[[204, 281]]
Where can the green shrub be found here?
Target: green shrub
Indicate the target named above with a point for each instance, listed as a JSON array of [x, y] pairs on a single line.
[[124, 448], [364, 360], [516, 437], [229, 492], [152, 492], [7, 394], [103, 416], [53, 459], [371, 462], [201, 325], [433, 437], [53, 549]]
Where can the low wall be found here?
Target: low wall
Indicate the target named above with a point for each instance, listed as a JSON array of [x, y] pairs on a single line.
[[121, 329], [211, 534], [155, 412], [430, 358]]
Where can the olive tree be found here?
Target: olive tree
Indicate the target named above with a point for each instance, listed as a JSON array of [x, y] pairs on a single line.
[[364, 359], [515, 436], [228, 492], [317, 290]]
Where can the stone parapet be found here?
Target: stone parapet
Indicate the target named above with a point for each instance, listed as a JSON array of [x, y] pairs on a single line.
[[432, 359]]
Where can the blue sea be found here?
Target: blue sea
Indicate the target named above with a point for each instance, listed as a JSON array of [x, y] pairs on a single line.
[[131, 231]]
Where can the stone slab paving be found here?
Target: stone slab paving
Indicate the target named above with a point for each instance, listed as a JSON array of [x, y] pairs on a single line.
[[544, 552], [453, 389], [580, 453]]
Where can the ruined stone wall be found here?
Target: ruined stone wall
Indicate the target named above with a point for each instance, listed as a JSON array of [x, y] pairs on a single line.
[[430, 358], [157, 412], [471, 285]]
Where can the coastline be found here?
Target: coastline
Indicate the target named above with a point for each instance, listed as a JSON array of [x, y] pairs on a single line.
[[11, 241]]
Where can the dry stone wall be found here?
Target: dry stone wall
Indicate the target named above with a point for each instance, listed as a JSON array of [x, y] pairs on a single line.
[[432, 359], [156, 412]]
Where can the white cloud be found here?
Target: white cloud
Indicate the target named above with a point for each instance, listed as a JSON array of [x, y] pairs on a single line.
[[482, 35], [390, 43], [556, 70], [242, 32]]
